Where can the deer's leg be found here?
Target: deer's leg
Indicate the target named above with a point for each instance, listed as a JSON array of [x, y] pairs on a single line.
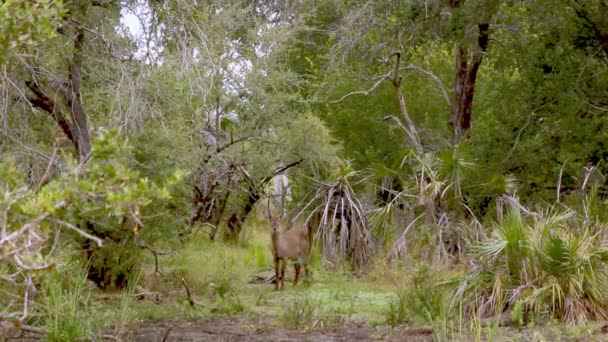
[[306, 271], [283, 266], [277, 275], [297, 269]]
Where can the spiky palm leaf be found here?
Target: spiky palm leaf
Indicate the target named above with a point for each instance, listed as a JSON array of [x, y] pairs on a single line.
[[343, 229]]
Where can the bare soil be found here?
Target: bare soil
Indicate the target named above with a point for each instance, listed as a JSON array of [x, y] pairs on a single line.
[[237, 329]]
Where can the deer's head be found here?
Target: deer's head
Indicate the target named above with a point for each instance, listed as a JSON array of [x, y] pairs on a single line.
[[275, 221]]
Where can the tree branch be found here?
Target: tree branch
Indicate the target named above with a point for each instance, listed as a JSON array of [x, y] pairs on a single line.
[[72, 97], [280, 170], [42, 101], [411, 129], [364, 92], [31, 224], [97, 240]]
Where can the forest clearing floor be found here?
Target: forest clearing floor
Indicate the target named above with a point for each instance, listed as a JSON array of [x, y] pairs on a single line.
[[210, 291]]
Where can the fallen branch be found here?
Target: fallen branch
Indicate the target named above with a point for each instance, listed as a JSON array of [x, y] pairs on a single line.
[[256, 279], [421, 330], [166, 337], [32, 329]]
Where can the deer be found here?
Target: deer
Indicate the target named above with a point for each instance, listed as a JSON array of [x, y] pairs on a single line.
[[289, 245]]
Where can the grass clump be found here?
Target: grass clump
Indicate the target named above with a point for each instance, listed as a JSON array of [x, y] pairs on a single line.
[[421, 303], [309, 312], [300, 312]]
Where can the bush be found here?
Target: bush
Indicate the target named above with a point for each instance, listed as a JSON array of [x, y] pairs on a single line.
[[95, 208]]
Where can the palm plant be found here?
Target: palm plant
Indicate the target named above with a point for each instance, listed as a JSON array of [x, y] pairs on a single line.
[[335, 209], [553, 261]]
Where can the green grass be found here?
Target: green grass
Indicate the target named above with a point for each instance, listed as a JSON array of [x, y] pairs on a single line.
[[218, 276], [67, 310]]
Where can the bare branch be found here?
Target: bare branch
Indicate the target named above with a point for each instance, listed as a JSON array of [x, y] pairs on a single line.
[[399, 123], [191, 300], [97, 240], [45, 177], [365, 92], [108, 45], [156, 254], [437, 80], [33, 223]]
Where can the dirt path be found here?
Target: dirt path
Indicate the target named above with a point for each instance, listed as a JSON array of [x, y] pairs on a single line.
[[234, 329]]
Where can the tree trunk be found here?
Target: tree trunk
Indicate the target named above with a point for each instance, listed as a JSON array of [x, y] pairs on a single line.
[[76, 129], [464, 85], [73, 101]]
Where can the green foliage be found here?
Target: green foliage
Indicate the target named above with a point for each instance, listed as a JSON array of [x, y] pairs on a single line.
[[93, 209], [227, 301], [300, 312], [228, 91], [23, 23], [108, 199]]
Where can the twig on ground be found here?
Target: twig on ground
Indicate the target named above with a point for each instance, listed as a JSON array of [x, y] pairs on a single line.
[[190, 299], [166, 337], [156, 253]]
